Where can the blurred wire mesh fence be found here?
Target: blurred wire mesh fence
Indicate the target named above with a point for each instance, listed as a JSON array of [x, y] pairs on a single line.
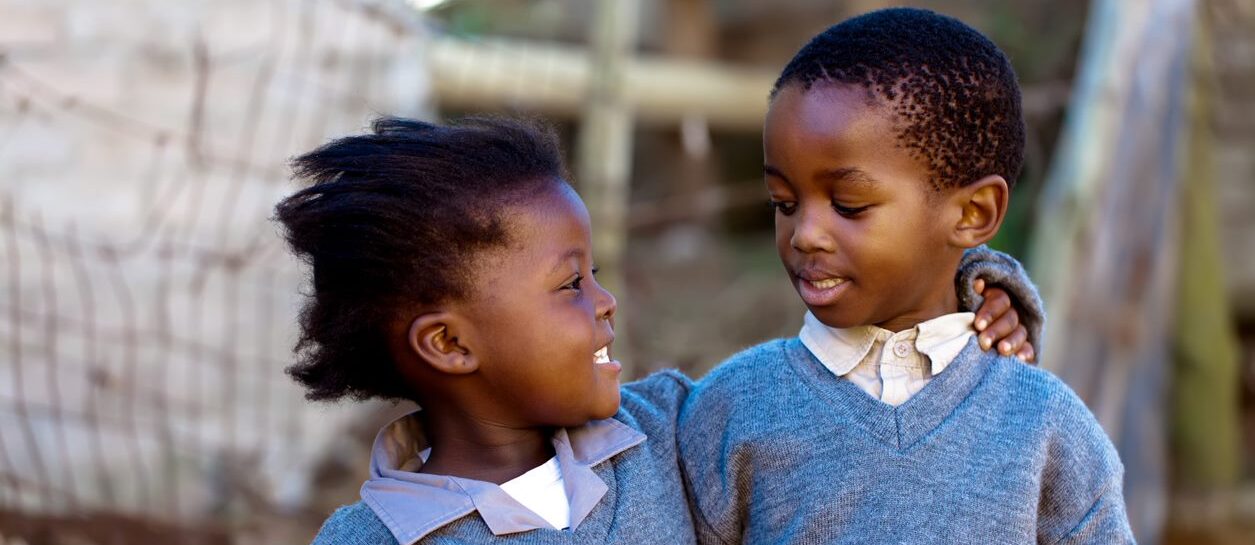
[[148, 303]]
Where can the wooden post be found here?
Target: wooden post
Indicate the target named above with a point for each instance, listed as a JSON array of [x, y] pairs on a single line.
[[605, 153], [1106, 251]]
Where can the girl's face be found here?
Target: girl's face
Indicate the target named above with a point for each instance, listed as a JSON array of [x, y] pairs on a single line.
[[546, 318]]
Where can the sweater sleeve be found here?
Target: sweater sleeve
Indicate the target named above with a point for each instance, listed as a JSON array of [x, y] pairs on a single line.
[[1002, 270], [715, 460], [713, 477], [354, 524], [1082, 500], [657, 399]]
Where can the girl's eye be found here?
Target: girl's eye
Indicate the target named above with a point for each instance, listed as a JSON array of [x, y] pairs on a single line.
[[595, 269], [785, 207], [847, 211], [574, 284]]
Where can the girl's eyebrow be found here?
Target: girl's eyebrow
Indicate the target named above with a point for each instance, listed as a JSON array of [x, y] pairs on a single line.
[[573, 253]]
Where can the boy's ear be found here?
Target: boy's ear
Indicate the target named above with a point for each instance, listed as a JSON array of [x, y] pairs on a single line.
[[983, 206], [433, 337]]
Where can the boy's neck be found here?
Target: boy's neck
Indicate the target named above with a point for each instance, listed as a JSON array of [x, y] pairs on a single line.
[[473, 448], [943, 304]]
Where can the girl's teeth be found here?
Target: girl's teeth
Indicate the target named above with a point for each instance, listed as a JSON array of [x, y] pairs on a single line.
[[602, 356], [827, 283]]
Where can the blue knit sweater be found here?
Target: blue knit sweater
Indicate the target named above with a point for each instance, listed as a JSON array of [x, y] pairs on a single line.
[[645, 503], [776, 449]]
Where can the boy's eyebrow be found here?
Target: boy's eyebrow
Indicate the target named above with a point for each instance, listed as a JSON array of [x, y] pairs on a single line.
[[850, 175]]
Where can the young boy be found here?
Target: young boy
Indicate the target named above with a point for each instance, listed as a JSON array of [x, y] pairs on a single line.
[[891, 144]]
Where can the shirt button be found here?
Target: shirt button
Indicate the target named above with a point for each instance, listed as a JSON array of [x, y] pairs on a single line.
[[901, 349]]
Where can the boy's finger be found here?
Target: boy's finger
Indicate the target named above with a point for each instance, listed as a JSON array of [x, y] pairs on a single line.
[[996, 304], [1027, 354], [999, 330], [979, 285]]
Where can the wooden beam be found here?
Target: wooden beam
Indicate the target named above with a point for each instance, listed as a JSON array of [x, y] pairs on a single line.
[[553, 79]]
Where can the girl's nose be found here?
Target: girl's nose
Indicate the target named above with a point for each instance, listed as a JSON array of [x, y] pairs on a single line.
[[606, 303]]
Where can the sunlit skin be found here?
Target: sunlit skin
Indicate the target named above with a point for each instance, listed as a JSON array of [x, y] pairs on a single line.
[[863, 235], [503, 368]]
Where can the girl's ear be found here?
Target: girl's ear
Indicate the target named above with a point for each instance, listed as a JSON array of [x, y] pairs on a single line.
[[433, 337], [983, 206]]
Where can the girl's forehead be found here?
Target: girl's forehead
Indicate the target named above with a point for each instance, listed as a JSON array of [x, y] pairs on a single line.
[[548, 226]]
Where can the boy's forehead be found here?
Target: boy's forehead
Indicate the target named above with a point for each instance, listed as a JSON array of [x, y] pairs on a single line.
[[828, 108], [830, 116], [833, 134]]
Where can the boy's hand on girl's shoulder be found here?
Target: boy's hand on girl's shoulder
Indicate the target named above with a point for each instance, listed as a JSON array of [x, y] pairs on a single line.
[[998, 322]]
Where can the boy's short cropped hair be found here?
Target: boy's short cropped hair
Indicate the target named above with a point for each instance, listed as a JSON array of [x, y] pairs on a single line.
[[392, 220], [954, 93]]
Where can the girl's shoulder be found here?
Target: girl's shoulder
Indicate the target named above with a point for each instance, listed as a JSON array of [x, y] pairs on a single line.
[[354, 524]]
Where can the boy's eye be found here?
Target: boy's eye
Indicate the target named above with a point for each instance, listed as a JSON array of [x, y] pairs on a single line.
[[785, 207], [848, 211]]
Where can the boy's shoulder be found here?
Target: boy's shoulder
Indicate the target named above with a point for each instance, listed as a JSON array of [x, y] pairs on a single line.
[[750, 364], [1034, 388], [745, 380], [354, 524], [1033, 393]]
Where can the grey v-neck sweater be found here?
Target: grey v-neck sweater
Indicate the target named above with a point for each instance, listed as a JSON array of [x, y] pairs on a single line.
[[645, 503], [776, 449]]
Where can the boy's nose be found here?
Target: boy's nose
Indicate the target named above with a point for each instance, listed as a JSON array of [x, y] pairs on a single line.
[[811, 234]]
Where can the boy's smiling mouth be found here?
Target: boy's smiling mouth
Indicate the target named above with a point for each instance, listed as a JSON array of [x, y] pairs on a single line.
[[819, 288], [826, 283]]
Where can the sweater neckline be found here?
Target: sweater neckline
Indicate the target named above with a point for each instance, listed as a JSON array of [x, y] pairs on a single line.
[[902, 427]]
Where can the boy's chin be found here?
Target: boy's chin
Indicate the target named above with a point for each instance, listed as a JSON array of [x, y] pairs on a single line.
[[836, 318]]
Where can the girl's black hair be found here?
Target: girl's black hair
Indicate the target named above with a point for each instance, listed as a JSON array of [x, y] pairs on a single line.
[[394, 219], [954, 92]]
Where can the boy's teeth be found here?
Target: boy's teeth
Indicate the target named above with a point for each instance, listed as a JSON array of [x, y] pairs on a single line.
[[827, 283], [602, 356]]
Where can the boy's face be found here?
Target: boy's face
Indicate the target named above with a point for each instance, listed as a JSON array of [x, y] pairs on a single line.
[[541, 318], [861, 232]]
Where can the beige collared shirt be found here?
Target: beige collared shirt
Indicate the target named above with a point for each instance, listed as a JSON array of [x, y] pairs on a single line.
[[889, 366]]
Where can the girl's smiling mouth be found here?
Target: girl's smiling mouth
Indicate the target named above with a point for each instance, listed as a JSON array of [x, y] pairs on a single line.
[[601, 359]]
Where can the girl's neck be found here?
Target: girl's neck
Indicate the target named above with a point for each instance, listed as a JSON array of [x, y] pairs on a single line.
[[475, 448]]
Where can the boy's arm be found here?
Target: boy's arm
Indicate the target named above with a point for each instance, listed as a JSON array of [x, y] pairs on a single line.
[[1002, 271], [712, 476], [1082, 488]]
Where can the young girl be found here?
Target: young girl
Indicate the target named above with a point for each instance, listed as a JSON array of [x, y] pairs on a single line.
[[452, 266]]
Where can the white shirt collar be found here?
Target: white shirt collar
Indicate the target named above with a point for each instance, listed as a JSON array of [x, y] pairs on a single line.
[[413, 505], [840, 350]]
